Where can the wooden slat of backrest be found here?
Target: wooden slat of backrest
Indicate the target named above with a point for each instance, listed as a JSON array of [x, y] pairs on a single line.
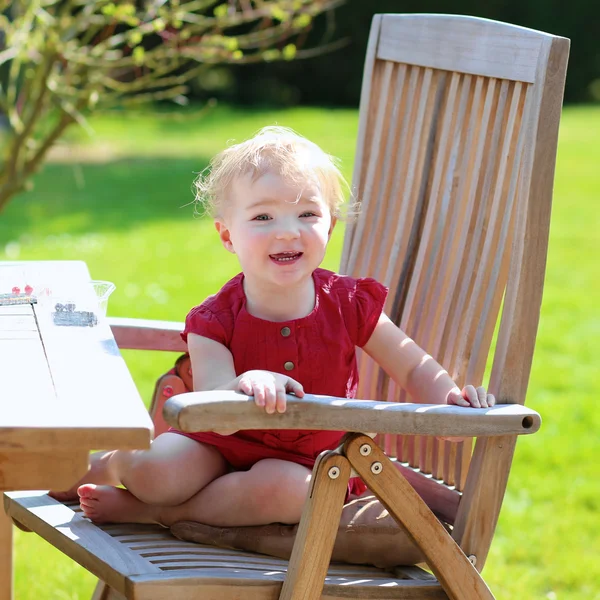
[[471, 346], [455, 105], [465, 146], [481, 280], [366, 256], [456, 235], [365, 132], [487, 144], [376, 161], [403, 146]]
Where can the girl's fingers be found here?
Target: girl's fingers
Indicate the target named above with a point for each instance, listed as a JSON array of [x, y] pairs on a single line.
[[456, 397], [482, 396], [470, 394], [245, 386], [293, 387], [258, 393], [281, 400], [491, 400], [270, 399]]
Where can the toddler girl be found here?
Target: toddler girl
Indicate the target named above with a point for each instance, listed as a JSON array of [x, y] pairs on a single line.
[[282, 326]]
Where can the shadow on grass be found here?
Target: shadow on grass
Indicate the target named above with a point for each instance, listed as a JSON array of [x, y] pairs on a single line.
[[115, 195]]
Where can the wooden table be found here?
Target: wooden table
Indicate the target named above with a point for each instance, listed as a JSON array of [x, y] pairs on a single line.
[[64, 391]]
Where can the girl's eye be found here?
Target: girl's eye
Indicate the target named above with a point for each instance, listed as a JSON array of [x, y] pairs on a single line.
[[308, 214], [262, 218]]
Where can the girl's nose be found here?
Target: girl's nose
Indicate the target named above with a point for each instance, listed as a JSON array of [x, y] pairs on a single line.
[[287, 230]]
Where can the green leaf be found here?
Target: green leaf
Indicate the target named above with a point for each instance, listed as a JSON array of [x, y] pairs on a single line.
[[220, 11], [109, 10], [279, 14], [138, 55], [135, 37], [231, 43], [302, 21], [159, 24], [289, 52]]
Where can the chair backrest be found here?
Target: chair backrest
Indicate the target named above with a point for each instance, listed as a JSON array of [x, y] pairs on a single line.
[[454, 169]]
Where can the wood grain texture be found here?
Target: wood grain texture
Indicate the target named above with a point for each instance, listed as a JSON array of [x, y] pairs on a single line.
[[364, 132], [147, 562], [215, 585], [487, 478], [144, 334], [452, 568], [314, 542], [58, 469], [462, 44], [76, 537], [6, 556], [208, 411]]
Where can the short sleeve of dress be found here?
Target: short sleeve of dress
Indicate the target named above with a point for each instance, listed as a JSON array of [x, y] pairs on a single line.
[[369, 299], [202, 321]]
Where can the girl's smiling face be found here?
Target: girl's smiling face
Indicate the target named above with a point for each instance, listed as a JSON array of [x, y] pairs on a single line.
[[279, 229]]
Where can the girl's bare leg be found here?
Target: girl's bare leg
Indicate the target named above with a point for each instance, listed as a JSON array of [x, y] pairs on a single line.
[[272, 491], [98, 473], [173, 470]]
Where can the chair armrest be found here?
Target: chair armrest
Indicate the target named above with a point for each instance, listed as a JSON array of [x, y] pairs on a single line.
[[145, 334], [222, 410]]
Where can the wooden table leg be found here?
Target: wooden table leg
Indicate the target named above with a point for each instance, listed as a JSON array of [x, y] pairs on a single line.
[[6, 555]]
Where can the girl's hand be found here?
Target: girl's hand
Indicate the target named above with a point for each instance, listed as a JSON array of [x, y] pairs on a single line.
[[269, 389], [471, 396]]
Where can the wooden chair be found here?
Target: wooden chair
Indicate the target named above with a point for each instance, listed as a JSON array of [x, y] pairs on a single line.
[[454, 167]]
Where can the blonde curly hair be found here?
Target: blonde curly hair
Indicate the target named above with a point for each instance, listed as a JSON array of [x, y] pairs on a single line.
[[273, 148]]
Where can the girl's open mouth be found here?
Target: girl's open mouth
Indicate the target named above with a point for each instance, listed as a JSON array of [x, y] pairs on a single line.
[[285, 258]]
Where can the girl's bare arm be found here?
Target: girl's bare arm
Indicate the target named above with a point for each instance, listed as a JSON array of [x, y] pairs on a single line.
[[213, 369], [419, 374], [212, 364]]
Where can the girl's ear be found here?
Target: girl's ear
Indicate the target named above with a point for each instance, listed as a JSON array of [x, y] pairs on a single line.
[[224, 235]]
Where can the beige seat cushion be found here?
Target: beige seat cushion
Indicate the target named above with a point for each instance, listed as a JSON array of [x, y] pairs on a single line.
[[367, 535]]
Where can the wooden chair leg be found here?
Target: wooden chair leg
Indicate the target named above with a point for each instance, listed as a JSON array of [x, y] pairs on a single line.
[[318, 529], [458, 577], [104, 592], [6, 556]]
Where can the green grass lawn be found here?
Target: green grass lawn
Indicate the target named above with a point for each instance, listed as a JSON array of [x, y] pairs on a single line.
[[121, 202]]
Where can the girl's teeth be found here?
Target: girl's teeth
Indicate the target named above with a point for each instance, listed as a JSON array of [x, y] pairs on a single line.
[[287, 257]]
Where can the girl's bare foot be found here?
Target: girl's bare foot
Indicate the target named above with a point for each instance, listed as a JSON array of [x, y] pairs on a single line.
[[98, 473], [108, 504]]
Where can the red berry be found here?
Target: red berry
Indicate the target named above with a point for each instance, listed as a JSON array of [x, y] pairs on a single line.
[[16, 290], [28, 289]]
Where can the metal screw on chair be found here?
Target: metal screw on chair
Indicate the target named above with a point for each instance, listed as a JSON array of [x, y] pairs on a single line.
[[376, 468], [365, 449], [472, 559], [334, 472]]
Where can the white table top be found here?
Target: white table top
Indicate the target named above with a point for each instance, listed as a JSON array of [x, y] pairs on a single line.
[[63, 387]]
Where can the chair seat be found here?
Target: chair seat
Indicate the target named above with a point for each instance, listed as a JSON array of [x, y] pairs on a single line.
[[148, 562]]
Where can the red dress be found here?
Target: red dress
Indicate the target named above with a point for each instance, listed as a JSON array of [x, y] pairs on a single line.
[[318, 350]]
